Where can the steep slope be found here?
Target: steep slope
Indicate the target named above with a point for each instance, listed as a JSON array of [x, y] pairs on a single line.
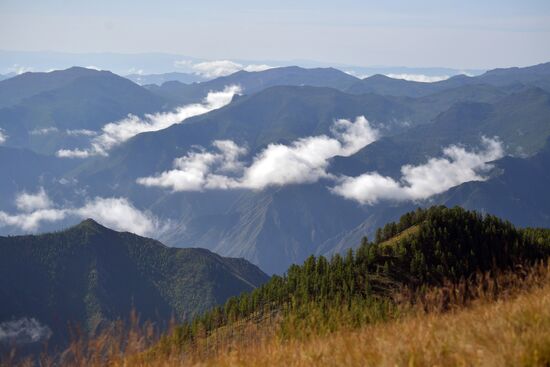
[[89, 274], [253, 82], [273, 228], [453, 270], [435, 247]]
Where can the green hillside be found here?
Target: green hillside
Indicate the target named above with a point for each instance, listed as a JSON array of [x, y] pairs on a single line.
[[89, 274], [424, 248]]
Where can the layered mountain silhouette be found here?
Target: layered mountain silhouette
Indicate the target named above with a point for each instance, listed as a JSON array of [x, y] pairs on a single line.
[[536, 75], [38, 109], [280, 225], [253, 82]]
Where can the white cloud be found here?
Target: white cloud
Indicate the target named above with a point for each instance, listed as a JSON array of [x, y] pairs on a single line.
[[406, 76], [257, 67], [214, 69], [119, 214], [30, 202], [193, 171], [81, 132], [118, 132], [77, 153], [419, 77], [356, 74], [303, 161], [23, 331], [31, 221], [93, 67], [19, 69], [116, 213], [135, 71], [218, 68], [3, 137], [420, 182], [44, 131]]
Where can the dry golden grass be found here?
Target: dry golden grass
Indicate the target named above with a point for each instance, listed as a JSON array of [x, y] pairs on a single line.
[[501, 320], [404, 234], [513, 332]]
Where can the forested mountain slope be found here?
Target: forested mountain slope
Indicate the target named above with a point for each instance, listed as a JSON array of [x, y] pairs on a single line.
[[89, 275]]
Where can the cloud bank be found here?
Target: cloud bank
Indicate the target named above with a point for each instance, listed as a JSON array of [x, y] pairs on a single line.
[[116, 213], [3, 137], [405, 76], [422, 181], [303, 161], [23, 331], [419, 77], [19, 69], [118, 132], [217, 68]]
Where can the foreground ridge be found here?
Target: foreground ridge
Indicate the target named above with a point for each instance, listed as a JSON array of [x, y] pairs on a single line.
[[432, 266]]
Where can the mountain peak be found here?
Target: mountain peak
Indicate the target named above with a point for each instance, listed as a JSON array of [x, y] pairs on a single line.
[[91, 225]]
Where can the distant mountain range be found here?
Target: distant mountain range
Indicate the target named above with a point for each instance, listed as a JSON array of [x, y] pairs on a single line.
[[38, 109], [159, 63], [252, 82], [88, 275], [534, 75], [280, 224], [159, 79]]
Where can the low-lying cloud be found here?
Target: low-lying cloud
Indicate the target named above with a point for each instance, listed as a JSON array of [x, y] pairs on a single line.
[[303, 161], [405, 76], [27, 202], [19, 69], [218, 68], [419, 77], [3, 136], [23, 331], [118, 132], [120, 214], [437, 175]]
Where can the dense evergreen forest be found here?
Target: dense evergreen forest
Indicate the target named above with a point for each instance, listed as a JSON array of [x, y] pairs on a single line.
[[427, 247], [90, 275]]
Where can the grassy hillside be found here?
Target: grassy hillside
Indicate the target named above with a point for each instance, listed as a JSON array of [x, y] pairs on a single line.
[[428, 248], [509, 332], [440, 287]]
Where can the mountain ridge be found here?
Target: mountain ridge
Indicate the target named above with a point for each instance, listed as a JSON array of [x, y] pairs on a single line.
[[90, 275]]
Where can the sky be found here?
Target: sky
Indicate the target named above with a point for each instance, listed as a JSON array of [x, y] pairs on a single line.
[[457, 34]]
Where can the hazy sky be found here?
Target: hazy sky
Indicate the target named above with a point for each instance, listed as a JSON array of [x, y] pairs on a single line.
[[459, 34]]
